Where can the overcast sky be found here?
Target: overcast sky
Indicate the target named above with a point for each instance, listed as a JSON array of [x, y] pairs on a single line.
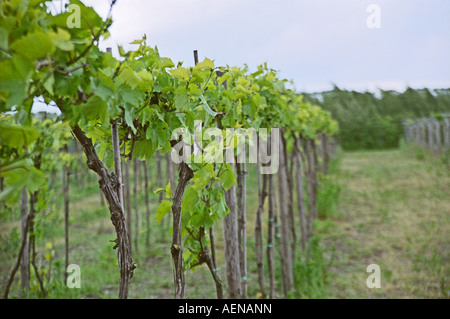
[[314, 43]]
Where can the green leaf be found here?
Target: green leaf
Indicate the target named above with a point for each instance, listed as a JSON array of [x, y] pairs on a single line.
[[129, 97], [168, 190], [34, 45], [129, 118], [223, 78], [159, 134], [103, 87], [206, 171], [166, 63], [49, 84], [181, 99], [137, 41], [180, 73], [162, 210], [61, 39], [14, 77], [201, 219], [146, 76], [206, 64], [122, 51], [228, 178], [128, 76], [143, 149], [98, 133], [94, 109], [195, 91], [16, 179], [17, 137], [182, 118], [221, 209], [190, 199]]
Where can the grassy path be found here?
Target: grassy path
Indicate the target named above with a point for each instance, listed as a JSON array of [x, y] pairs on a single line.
[[394, 211]]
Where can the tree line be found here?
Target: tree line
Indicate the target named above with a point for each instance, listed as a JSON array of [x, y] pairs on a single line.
[[374, 120]]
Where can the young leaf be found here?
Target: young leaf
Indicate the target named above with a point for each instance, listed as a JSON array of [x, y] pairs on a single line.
[[206, 64], [162, 210], [168, 191], [180, 73], [228, 178], [61, 39]]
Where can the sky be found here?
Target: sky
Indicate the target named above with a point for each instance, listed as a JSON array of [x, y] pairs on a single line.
[[315, 43]]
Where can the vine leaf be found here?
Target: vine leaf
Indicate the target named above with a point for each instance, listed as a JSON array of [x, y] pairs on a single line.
[[164, 207]]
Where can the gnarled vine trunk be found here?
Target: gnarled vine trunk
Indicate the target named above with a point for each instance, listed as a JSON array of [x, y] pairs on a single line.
[[176, 250], [109, 184]]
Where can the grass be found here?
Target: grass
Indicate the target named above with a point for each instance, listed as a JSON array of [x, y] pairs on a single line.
[[329, 190], [394, 212], [310, 272], [389, 208]]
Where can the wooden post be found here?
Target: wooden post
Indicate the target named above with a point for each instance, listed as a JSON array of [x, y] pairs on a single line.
[[230, 233], [285, 249], [438, 139], [66, 182], [195, 56], [289, 192], [447, 132], [242, 231], [310, 186], [406, 131], [423, 141], [135, 201], [259, 238], [116, 154], [300, 194], [430, 135], [147, 205], [271, 235]]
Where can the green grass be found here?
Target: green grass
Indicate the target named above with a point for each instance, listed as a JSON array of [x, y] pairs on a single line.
[[328, 192], [394, 212], [383, 207], [310, 272]]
